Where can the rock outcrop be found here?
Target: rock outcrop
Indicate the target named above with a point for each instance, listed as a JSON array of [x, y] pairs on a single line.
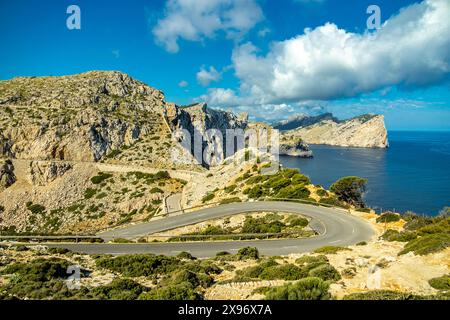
[[210, 124], [7, 176], [366, 131], [42, 172]]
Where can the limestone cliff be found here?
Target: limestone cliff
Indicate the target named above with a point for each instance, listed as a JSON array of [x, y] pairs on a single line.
[[366, 131]]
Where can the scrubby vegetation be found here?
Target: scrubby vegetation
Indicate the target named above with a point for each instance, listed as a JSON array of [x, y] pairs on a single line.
[[269, 225], [423, 235], [440, 283], [307, 266], [304, 289], [330, 249], [387, 217]]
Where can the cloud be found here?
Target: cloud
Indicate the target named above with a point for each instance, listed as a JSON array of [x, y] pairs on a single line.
[[263, 32], [206, 76], [183, 84], [196, 20], [411, 50]]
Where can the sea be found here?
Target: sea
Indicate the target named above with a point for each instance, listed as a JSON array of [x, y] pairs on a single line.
[[413, 174]]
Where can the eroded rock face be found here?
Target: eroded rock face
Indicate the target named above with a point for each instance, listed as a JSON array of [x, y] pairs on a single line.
[[42, 172], [367, 131], [199, 120], [7, 176]]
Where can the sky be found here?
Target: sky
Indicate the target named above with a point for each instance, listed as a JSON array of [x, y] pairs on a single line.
[[270, 58]]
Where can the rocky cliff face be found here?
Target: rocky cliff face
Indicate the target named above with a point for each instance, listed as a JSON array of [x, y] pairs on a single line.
[[367, 131], [200, 120]]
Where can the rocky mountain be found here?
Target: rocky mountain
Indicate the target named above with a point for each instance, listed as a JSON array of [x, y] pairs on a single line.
[[302, 120], [94, 150], [366, 131]]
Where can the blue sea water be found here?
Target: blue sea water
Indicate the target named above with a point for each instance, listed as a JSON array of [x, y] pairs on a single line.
[[412, 174]]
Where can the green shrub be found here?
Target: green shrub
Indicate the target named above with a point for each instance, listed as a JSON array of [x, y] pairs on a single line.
[[330, 249], [261, 225], [297, 221], [304, 289], [208, 197], [89, 193], [161, 175], [248, 253], [137, 265], [379, 295], [427, 244], [387, 217], [332, 201], [322, 193], [185, 255], [440, 283], [230, 200], [58, 250], [282, 272], [311, 259], [362, 243], [35, 208], [325, 272], [230, 189], [394, 235], [100, 177], [156, 190]]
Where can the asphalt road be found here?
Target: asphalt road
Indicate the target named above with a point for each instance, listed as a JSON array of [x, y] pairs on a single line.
[[335, 227]]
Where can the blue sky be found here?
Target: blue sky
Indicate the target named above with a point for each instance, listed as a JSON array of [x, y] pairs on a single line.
[[250, 55]]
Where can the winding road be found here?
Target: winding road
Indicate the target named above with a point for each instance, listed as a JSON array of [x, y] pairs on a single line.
[[335, 227]]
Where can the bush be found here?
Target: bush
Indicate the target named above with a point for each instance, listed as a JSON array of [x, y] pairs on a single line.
[[58, 250], [350, 190], [208, 197], [137, 265], [230, 189], [427, 244], [304, 289], [230, 200], [248, 253], [297, 221], [161, 175], [186, 255], [440, 283], [330, 249], [261, 225], [394, 235], [332, 201], [89, 193], [311, 259], [100, 177], [156, 190], [325, 272], [282, 272], [379, 295], [35, 208], [387, 217]]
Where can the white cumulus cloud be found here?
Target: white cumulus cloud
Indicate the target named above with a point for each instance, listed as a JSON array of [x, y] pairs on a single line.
[[196, 20], [412, 49], [206, 76]]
